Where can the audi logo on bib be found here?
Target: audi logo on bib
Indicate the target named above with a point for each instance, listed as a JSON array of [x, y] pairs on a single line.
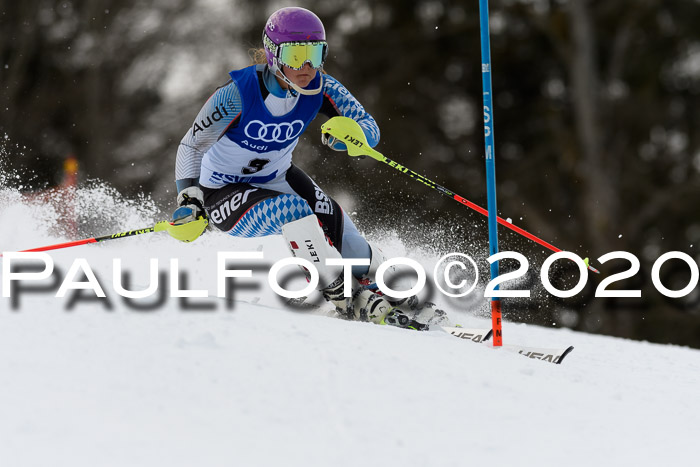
[[274, 132]]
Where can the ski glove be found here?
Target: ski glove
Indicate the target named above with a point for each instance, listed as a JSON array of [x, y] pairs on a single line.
[[191, 201]]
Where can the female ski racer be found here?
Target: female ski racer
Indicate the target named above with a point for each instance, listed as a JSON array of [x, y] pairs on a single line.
[[234, 165]]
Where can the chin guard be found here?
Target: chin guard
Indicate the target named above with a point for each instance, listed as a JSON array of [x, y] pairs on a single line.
[[348, 131]]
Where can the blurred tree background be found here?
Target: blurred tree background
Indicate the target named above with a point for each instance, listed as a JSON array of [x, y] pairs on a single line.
[[596, 107]]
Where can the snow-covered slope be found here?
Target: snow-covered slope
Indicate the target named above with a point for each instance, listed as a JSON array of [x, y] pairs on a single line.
[[260, 386]]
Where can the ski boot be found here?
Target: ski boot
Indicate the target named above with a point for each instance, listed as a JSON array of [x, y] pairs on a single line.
[[364, 305], [398, 318]]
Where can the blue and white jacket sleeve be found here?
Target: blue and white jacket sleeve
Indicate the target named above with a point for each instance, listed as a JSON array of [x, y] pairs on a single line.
[[221, 111], [337, 101]]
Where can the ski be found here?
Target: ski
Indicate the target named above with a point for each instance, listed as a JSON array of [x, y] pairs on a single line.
[[474, 335], [477, 335], [555, 356]]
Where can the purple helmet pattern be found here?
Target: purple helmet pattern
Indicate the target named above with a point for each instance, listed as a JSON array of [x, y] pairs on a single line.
[[291, 24]]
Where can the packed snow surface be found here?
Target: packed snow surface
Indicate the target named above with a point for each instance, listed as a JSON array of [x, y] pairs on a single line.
[[87, 384]]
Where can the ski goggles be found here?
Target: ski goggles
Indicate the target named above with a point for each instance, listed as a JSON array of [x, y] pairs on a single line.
[[296, 54]]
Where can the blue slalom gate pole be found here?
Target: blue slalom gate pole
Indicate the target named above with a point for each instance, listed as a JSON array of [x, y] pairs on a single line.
[[490, 163]]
